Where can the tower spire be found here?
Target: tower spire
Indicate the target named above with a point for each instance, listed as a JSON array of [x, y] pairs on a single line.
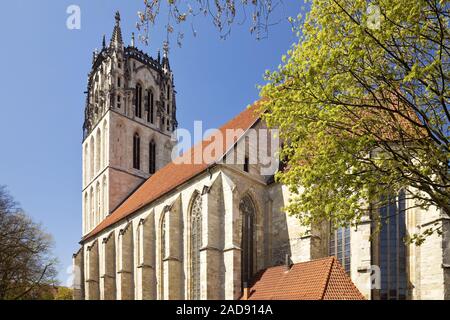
[[116, 40]]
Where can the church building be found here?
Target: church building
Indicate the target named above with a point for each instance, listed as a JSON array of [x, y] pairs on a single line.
[[154, 228]]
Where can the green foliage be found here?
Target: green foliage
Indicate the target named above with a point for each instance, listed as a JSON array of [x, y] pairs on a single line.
[[64, 293], [362, 102]]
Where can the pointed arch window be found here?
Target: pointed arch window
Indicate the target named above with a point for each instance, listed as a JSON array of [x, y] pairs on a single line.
[[98, 203], [85, 164], [91, 158], [136, 152], [150, 106], [91, 209], [246, 164], [138, 100], [196, 244], [98, 151], [104, 197], [248, 213], [152, 157], [86, 212]]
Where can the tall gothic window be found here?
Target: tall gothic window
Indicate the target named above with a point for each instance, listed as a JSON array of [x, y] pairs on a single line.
[[91, 158], [98, 203], [136, 152], [138, 100], [340, 246], [248, 213], [86, 212], [196, 244], [104, 197], [85, 164], [150, 106], [246, 164], [98, 151], [392, 249], [105, 141], [91, 209], [152, 157]]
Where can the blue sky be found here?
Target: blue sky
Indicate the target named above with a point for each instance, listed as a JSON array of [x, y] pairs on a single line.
[[44, 69]]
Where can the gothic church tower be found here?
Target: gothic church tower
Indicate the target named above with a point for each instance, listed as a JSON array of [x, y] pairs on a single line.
[[130, 116]]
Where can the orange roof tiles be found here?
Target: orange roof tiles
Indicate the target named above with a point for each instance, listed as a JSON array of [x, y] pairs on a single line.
[[173, 175], [322, 279]]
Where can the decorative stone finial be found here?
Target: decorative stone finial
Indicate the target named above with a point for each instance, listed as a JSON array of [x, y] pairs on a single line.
[[116, 40], [165, 49], [132, 39]]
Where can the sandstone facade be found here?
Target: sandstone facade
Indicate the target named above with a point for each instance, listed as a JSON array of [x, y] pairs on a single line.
[[160, 252]]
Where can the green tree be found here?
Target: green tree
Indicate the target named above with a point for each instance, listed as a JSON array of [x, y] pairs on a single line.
[[362, 103], [64, 293], [27, 266]]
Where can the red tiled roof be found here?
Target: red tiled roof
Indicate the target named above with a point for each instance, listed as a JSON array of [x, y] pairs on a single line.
[[322, 279], [173, 175]]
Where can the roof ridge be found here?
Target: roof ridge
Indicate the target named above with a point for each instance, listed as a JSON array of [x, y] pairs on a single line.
[[328, 276], [317, 279]]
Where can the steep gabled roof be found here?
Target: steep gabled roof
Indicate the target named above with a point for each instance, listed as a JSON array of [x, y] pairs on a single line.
[[175, 174], [322, 279]]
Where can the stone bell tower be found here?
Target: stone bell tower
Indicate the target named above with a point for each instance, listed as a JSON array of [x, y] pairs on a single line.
[[130, 117]]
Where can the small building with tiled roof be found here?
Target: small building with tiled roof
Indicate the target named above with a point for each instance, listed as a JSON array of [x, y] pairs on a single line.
[[201, 225], [321, 279]]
